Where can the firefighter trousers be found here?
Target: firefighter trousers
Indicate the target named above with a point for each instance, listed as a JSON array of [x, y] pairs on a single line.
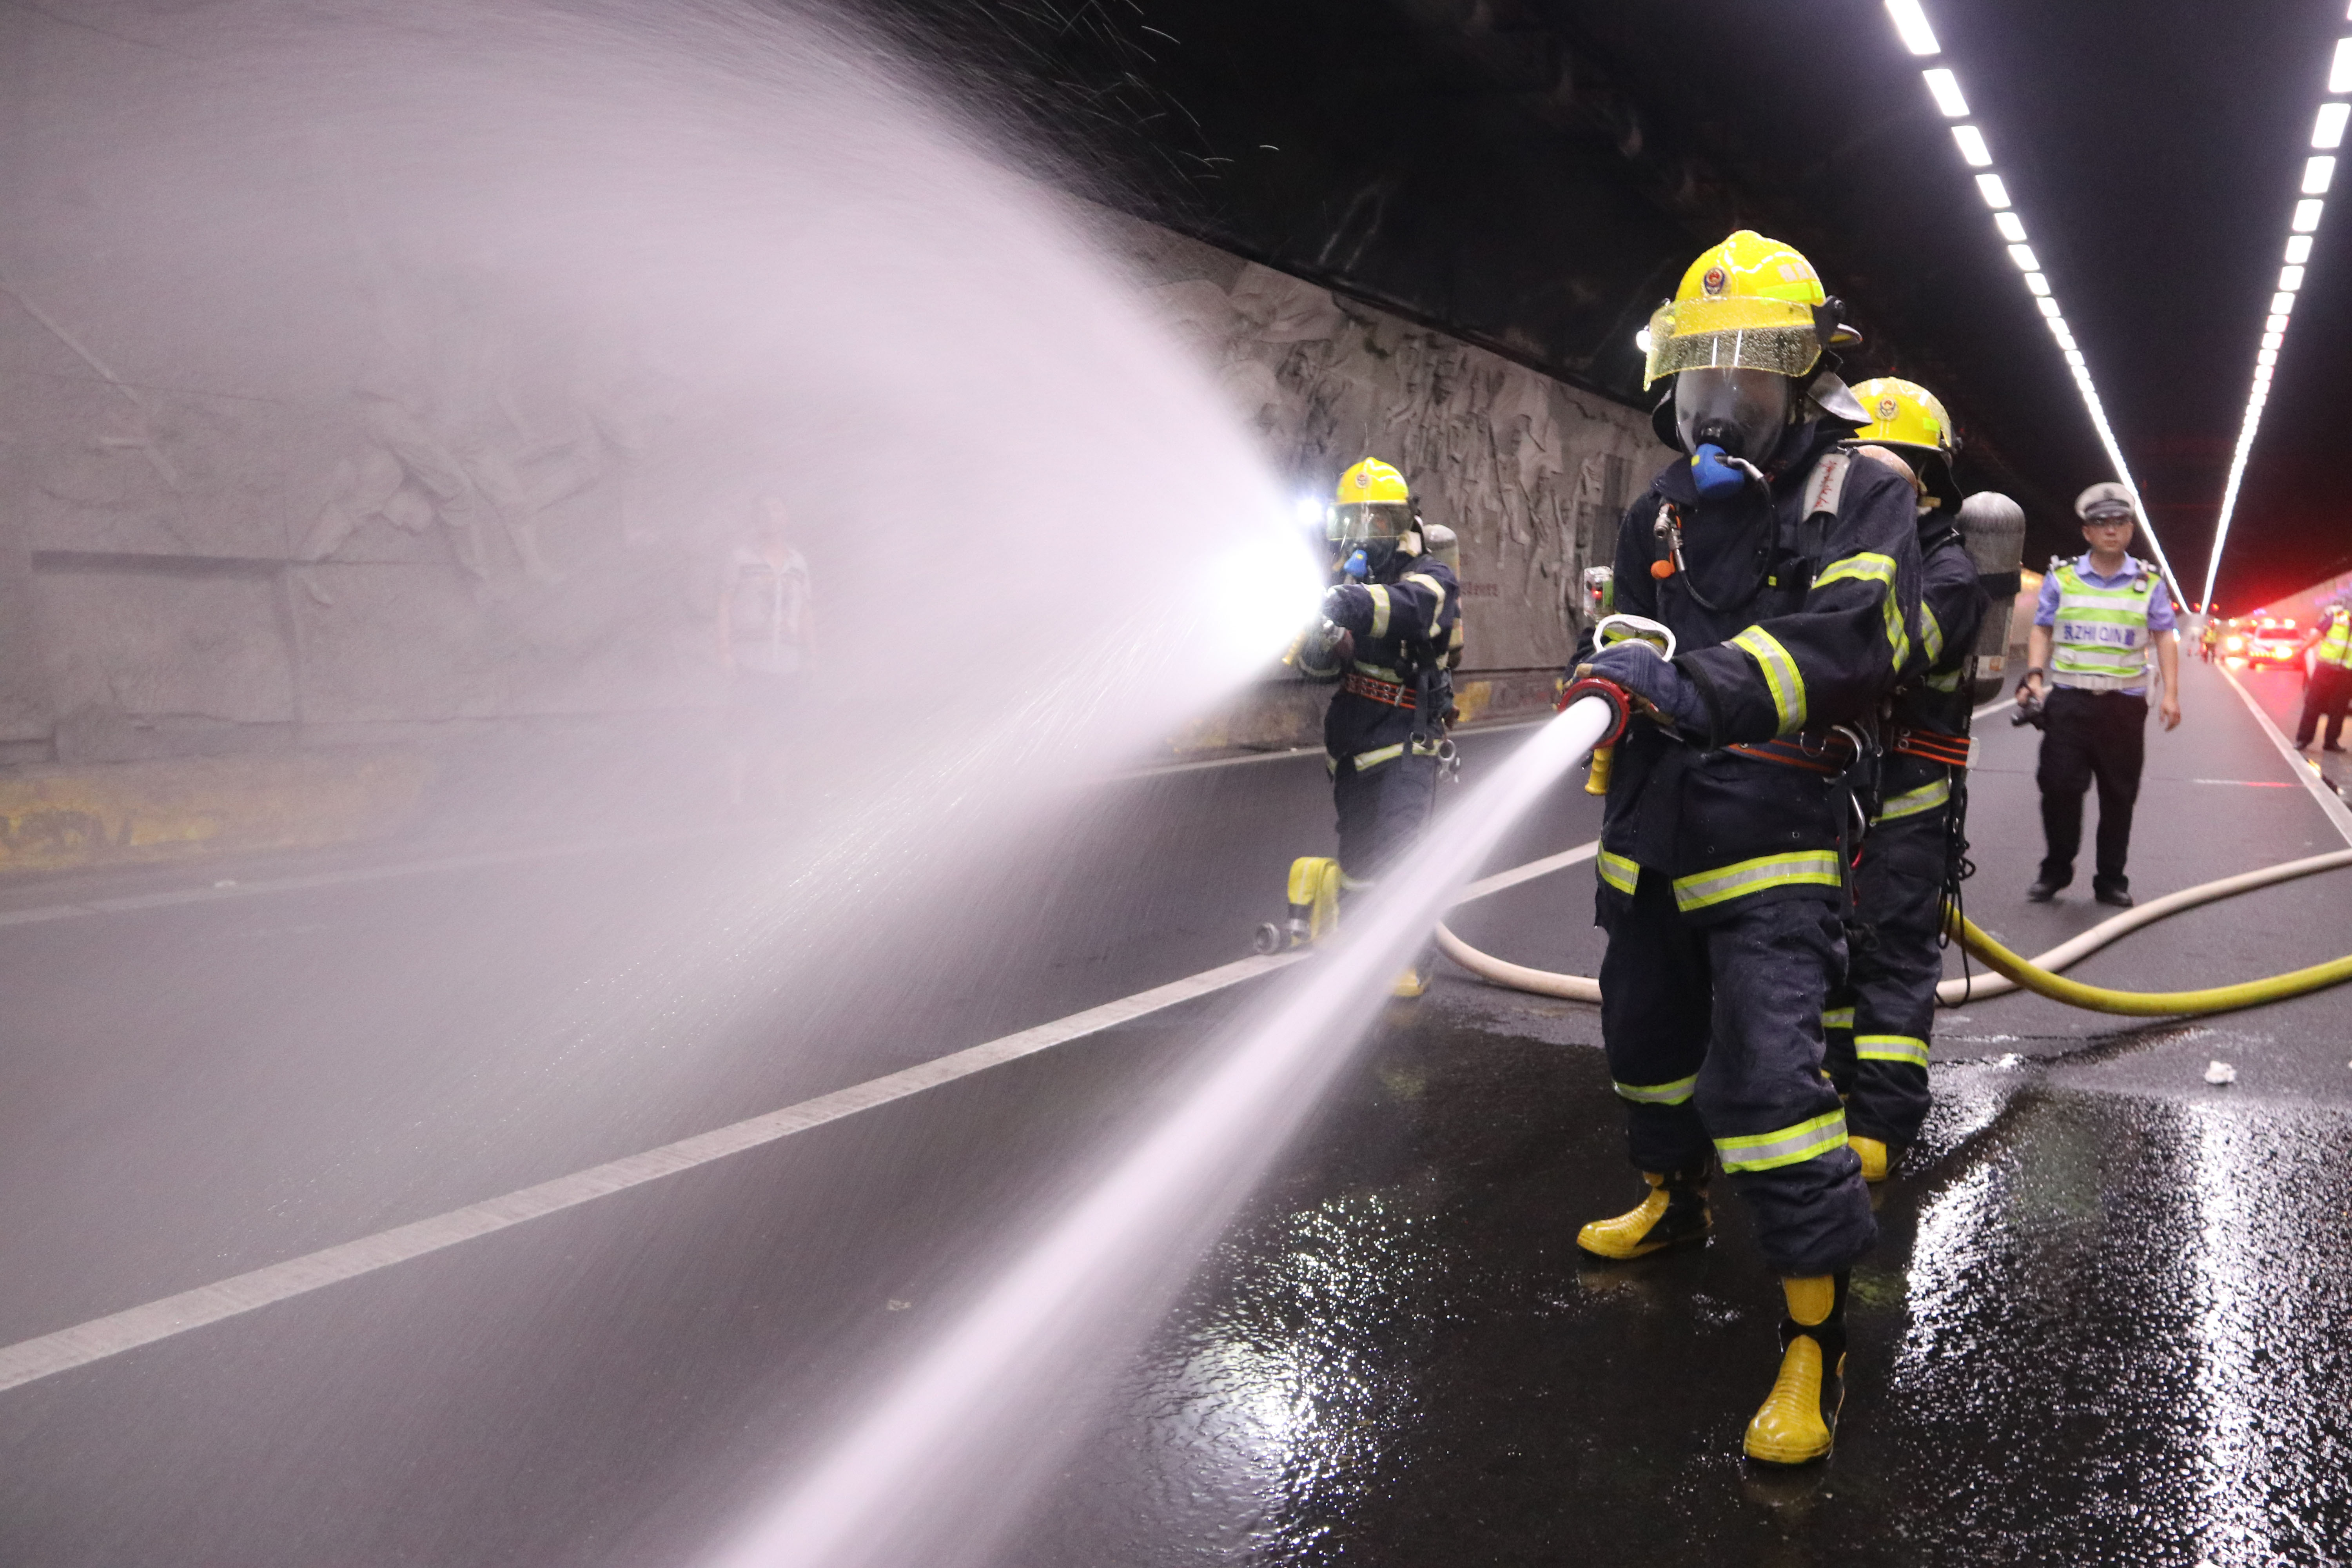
[[1713, 1038], [1381, 788], [1878, 1026]]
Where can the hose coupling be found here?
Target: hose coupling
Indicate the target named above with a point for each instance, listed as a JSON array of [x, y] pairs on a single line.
[[1620, 704]]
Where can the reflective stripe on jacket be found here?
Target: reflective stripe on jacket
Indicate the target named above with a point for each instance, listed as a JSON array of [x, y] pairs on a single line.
[[2099, 638], [2336, 648]]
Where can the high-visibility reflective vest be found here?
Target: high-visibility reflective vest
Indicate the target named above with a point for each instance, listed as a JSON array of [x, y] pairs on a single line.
[[2099, 639], [2336, 648]]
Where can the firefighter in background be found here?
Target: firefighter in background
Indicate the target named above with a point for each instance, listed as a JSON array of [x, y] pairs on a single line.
[[1787, 567], [2328, 694], [1878, 1026], [1391, 634]]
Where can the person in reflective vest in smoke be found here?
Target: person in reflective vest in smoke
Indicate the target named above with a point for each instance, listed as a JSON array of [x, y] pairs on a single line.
[[2328, 694], [2099, 617], [1787, 566], [1879, 1025], [1390, 635]]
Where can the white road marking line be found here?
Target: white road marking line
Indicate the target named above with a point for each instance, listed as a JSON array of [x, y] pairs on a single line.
[[48, 1354], [51, 1353], [2329, 801], [1528, 872]]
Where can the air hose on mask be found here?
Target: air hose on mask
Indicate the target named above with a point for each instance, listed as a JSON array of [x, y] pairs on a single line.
[[2035, 975]]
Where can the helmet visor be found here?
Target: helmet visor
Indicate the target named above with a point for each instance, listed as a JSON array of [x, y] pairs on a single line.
[[1369, 522], [1775, 335]]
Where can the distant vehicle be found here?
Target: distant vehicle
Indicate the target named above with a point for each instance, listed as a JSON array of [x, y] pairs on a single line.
[[2272, 645]]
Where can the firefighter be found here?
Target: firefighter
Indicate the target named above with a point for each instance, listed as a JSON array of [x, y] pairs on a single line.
[[1390, 636], [1787, 567], [1878, 1026]]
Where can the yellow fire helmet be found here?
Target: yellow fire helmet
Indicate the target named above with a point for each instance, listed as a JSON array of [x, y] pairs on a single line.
[[1750, 303], [1372, 504], [1906, 414]]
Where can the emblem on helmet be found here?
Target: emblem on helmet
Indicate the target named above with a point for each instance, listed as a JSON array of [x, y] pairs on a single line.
[[1888, 408], [1714, 280]]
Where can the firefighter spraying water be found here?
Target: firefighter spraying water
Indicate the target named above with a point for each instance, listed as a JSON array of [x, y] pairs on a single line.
[[1787, 566], [1391, 635]]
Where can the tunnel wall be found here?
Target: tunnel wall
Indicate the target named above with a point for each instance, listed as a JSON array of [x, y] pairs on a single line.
[[190, 570], [2303, 604], [194, 570], [1530, 472]]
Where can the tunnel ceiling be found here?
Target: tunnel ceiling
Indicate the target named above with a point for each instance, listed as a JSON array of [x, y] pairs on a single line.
[[1534, 175]]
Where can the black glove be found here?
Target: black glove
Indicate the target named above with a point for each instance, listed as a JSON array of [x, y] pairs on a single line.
[[1641, 670], [1350, 605]]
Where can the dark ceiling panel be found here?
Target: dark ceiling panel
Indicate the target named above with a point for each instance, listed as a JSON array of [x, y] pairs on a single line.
[[1535, 174]]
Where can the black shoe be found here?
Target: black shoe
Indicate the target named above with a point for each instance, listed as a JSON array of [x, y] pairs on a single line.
[[2114, 897], [2331, 746], [2043, 891]]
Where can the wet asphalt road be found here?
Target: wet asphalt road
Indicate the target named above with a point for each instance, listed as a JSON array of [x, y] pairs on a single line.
[[2107, 1320]]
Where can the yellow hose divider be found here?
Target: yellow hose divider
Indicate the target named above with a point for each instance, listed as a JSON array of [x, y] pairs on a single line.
[[2153, 1004]]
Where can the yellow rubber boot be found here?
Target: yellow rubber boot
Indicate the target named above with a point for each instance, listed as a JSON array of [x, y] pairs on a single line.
[[1798, 1422], [1314, 901], [1877, 1159], [1675, 1212], [1414, 980]]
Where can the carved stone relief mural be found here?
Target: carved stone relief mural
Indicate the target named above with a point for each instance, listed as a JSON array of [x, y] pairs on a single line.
[[1530, 472], [476, 517]]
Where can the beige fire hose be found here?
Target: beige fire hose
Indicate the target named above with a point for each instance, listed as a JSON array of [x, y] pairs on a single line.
[[2036, 974]]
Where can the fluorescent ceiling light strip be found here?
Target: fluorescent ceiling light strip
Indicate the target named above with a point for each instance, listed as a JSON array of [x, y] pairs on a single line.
[[2318, 174], [1911, 25], [1944, 84], [1945, 87]]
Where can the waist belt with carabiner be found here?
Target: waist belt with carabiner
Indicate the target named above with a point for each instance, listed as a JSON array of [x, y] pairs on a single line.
[[1951, 750], [1386, 692], [1828, 754]]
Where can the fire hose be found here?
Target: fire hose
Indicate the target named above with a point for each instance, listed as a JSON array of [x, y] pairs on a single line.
[[2037, 974]]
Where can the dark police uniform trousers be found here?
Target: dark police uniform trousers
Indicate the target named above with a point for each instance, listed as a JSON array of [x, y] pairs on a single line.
[[1722, 889], [2088, 736], [2325, 702]]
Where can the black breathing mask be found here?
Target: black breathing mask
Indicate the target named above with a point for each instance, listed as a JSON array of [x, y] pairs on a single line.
[[1742, 413]]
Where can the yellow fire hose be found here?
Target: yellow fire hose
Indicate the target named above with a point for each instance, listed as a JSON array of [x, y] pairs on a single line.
[[2033, 974]]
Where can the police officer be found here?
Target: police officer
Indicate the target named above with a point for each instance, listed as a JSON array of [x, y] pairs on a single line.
[[2329, 692], [1390, 632], [1788, 570], [2086, 668], [1878, 1026]]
